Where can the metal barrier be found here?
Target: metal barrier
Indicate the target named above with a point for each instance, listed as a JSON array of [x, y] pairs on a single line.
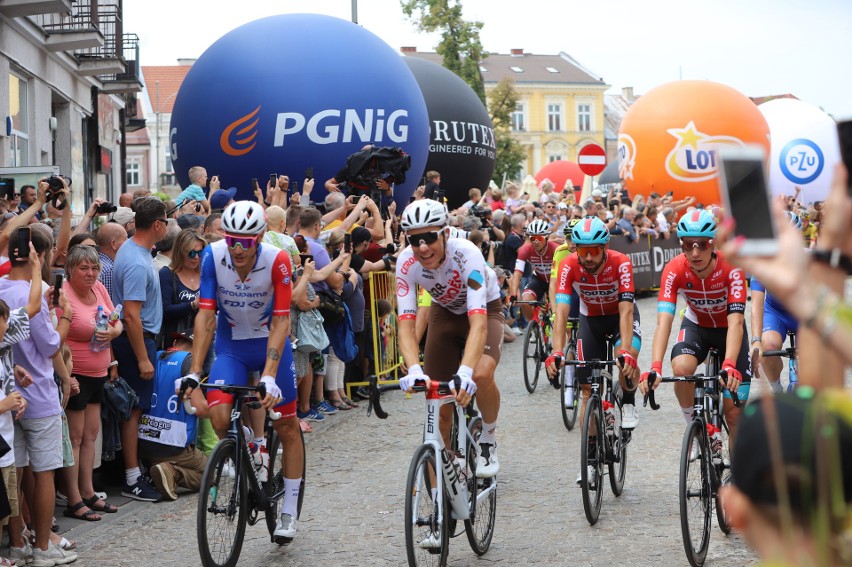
[[386, 357]]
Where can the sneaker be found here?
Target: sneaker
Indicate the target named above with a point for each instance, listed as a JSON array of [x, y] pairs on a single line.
[[52, 556], [285, 529], [431, 541], [517, 332], [590, 473], [22, 555], [487, 464], [325, 407], [142, 490], [361, 393], [629, 416], [163, 476], [311, 415]]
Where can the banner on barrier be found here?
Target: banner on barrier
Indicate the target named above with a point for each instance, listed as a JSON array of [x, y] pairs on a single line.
[[649, 256]]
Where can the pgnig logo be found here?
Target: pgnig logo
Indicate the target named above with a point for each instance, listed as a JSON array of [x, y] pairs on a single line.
[[801, 161]]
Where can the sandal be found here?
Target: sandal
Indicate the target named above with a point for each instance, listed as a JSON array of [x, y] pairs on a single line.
[[66, 545], [348, 401], [341, 405], [89, 515], [105, 508]]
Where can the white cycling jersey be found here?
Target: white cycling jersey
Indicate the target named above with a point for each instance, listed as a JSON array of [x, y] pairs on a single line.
[[462, 284]]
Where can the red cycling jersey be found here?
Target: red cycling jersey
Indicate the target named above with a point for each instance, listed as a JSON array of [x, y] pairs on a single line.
[[599, 294], [708, 301], [541, 264]]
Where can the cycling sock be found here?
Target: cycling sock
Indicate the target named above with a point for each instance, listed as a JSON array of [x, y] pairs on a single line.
[[687, 414], [488, 433], [628, 398], [132, 475], [292, 487], [260, 441]]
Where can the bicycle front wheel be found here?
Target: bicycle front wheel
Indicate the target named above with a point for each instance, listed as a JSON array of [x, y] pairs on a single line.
[[483, 498], [222, 508], [591, 460], [722, 477], [427, 539], [533, 347], [274, 486], [695, 491], [570, 392], [617, 461]]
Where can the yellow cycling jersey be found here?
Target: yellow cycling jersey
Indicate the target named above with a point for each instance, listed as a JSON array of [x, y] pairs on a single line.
[[558, 255]]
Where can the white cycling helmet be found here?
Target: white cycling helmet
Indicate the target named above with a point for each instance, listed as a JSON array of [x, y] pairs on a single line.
[[458, 233], [244, 217], [538, 228], [424, 213]]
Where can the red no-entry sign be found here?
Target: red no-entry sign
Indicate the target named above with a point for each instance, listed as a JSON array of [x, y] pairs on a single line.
[[592, 159]]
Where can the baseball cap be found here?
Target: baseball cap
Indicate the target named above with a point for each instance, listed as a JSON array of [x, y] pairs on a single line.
[[814, 432], [189, 221], [220, 199], [561, 206], [359, 235], [597, 193], [123, 215], [186, 335]]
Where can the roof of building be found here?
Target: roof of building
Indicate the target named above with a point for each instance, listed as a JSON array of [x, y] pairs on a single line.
[[615, 107], [162, 83], [758, 100], [525, 67]]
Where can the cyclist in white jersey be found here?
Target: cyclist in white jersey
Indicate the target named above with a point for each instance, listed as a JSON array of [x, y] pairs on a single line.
[[465, 321], [251, 285]]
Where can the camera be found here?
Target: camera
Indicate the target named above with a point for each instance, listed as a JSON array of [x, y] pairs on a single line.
[[54, 185], [105, 209], [480, 212]]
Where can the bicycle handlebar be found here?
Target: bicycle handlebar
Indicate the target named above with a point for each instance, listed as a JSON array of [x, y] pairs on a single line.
[[541, 303], [787, 352], [239, 390], [652, 377], [443, 388]]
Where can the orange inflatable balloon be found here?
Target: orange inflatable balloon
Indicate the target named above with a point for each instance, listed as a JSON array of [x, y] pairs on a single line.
[[669, 137]]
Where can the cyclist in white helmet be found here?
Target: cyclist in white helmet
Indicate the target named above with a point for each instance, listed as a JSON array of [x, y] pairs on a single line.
[[537, 251], [465, 322]]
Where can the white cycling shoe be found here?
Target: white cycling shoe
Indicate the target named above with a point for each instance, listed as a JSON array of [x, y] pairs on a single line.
[[629, 416], [431, 541], [487, 465], [285, 528]]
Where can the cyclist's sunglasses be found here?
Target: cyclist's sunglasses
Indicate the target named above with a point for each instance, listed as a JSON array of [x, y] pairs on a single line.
[[538, 238], [688, 244], [427, 238], [244, 242], [593, 250]]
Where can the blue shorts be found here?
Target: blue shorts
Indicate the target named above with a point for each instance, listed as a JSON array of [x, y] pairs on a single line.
[[236, 360], [128, 368], [781, 323]]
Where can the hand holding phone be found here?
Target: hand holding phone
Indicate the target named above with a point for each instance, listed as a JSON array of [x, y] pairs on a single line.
[[22, 244], [347, 243], [273, 180], [844, 132], [306, 257], [742, 180], [57, 285], [309, 173]]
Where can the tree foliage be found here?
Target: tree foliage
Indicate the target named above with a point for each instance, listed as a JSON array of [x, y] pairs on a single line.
[[502, 101]]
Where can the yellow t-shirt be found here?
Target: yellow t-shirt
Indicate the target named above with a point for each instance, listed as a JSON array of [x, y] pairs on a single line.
[[337, 222], [809, 233]]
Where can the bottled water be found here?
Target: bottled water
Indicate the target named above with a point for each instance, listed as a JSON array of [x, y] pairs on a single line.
[[101, 325]]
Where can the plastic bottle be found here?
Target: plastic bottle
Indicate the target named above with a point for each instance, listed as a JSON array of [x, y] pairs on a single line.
[[569, 386], [115, 315], [101, 325], [609, 417], [715, 435]]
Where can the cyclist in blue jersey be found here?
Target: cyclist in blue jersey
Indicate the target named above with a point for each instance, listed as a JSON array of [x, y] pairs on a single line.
[[251, 285]]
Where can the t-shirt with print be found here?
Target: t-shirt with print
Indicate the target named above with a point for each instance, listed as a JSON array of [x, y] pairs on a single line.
[[18, 331], [7, 430]]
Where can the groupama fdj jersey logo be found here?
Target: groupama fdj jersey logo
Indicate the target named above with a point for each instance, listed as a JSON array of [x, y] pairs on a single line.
[[801, 161], [693, 157]]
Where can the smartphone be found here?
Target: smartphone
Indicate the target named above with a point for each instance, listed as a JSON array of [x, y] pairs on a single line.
[[57, 285], [423, 181], [309, 173], [22, 244], [844, 132], [347, 243], [670, 193], [742, 183], [273, 179], [305, 257], [254, 185]]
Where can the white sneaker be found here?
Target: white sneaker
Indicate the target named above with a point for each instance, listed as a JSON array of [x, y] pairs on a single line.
[[431, 541], [693, 452], [22, 555], [629, 416], [285, 528], [487, 465], [52, 556], [517, 331]]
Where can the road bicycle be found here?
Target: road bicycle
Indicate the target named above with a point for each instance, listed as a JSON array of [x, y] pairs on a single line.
[[536, 342], [570, 399], [703, 461], [233, 490], [603, 413], [792, 361], [442, 487]]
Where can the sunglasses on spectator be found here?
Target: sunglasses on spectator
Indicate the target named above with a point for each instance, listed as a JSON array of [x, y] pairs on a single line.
[[593, 250], [194, 253], [244, 242], [427, 238], [688, 244]]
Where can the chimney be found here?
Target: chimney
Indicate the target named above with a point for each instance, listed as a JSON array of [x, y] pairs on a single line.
[[627, 93], [517, 52], [408, 49], [186, 62]]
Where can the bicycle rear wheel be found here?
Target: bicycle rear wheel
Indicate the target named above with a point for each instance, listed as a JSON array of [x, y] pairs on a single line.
[[426, 541], [274, 486], [222, 508], [570, 412], [483, 498], [533, 347], [591, 460], [694, 492]]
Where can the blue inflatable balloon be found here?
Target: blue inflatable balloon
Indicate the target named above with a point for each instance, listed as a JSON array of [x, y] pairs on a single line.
[[289, 92]]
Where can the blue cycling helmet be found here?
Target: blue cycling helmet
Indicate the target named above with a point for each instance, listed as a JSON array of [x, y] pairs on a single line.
[[794, 220], [697, 224], [589, 232]]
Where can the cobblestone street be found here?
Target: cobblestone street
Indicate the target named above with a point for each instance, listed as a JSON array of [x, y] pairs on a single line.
[[356, 475]]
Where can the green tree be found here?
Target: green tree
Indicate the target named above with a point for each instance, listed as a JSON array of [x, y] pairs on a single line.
[[502, 101], [460, 46]]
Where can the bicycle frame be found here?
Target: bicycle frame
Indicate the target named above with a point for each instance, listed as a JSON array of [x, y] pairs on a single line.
[[792, 360]]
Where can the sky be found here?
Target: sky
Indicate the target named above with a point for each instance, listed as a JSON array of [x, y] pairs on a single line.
[[759, 47]]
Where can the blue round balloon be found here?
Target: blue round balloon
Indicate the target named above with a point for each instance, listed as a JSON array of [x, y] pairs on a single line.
[[289, 92]]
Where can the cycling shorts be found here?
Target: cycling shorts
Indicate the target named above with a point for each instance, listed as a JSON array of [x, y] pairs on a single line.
[[236, 360], [591, 343], [536, 287], [781, 323], [696, 341]]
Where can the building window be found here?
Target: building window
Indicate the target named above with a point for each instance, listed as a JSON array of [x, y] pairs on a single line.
[[18, 111], [553, 157], [134, 173], [554, 117], [169, 167], [584, 117], [518, 119]]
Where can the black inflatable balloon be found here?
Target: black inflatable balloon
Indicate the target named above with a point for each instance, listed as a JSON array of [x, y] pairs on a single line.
[[461, 142]]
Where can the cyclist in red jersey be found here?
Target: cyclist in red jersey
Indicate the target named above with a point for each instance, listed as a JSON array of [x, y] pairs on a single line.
[[538, 252], [715, 296]]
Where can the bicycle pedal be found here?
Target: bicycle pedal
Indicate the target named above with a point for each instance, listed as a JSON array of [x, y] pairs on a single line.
[[280, 540]]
